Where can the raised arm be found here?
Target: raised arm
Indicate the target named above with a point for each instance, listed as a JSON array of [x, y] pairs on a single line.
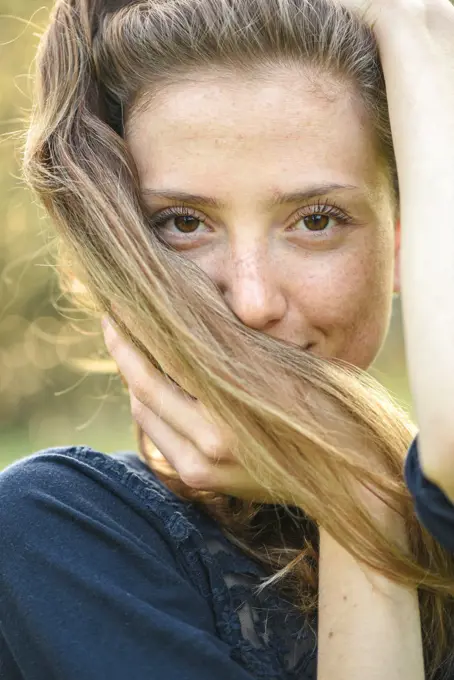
[[368, 627], [417, 51]]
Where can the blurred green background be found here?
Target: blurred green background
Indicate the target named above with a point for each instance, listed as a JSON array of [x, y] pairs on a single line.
[[45, 401]]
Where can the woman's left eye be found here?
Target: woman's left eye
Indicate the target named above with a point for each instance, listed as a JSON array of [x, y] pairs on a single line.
[[321, 219]]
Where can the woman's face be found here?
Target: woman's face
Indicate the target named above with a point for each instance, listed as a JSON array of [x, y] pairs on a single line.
[[281, 198]]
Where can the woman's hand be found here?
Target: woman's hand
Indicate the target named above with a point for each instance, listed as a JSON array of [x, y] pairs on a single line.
[[372, 10], [180, 427], [379, 13]]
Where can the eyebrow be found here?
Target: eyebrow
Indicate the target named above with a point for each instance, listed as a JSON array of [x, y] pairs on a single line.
[[278, 198]]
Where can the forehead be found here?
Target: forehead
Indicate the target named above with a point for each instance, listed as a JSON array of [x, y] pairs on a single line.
[[231, 128]]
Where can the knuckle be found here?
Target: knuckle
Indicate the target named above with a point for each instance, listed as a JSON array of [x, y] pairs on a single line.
[[210, 446], [195, 475], [138, 391]]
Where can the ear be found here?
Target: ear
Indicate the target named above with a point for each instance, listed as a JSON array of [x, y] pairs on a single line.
[[397, 235]]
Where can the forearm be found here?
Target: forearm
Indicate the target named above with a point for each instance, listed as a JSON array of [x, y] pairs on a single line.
[[417, 53], [368, 626]]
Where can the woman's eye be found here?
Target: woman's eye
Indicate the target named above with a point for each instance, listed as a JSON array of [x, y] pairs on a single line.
[[177, 223], [187, 224], [326, 219], [316, 222]]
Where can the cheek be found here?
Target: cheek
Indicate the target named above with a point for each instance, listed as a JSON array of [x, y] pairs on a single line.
[[347, 296]]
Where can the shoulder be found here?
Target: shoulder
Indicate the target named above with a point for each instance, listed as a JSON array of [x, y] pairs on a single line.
[[82, 492], [66, 464], [64, 470], [93, 549], [434, 509], [60, 471]]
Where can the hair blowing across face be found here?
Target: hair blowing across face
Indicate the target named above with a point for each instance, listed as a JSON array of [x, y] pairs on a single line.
[[322, 426]]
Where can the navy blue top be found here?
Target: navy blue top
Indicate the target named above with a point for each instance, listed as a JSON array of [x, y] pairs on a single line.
[[106, 574]]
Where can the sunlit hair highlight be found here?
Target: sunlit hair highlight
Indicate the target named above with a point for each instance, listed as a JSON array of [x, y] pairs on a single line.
[[318, 427]]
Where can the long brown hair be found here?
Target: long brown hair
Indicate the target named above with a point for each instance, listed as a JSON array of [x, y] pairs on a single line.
[[319, 425]]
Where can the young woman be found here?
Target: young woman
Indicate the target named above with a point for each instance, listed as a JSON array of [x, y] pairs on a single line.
[[230, 188]]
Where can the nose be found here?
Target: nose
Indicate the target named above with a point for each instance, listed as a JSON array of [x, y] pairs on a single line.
[[251, 287]]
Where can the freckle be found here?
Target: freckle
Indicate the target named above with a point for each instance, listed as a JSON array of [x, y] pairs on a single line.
[[345, 598], [330, 634]]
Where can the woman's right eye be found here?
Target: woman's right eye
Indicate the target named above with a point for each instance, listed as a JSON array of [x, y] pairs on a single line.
[[186, 223], [183, 220]]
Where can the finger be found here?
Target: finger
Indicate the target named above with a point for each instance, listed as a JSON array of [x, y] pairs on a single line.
[[164, 398], [192, 466]]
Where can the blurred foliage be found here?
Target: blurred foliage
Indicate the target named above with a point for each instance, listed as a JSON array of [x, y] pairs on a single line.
[[45, 401]]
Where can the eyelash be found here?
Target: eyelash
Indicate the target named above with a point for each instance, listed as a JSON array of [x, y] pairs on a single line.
[[329, 210]]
